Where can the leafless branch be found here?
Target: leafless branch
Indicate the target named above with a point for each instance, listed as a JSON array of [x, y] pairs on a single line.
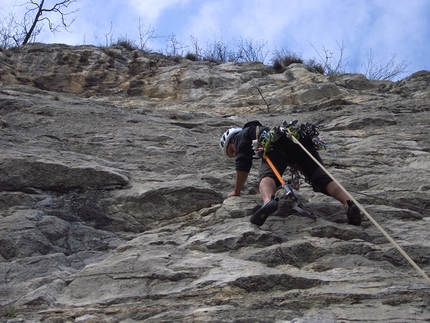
[[329, 62], [145, 34], [38, 13], [262, 96], [174, 46], [250, 51], [109, 35], [383, 71]]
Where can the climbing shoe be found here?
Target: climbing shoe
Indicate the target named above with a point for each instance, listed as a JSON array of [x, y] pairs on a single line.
[[353, 214], [261, 215]]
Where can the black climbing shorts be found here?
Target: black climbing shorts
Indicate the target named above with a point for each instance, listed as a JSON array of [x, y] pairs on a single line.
[[286, 153]]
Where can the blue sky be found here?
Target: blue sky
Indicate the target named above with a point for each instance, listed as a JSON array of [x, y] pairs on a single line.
[[305, 27]]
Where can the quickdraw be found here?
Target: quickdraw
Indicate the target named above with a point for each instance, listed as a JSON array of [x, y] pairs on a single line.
[[269, 137], [290, 129], [306, 129]]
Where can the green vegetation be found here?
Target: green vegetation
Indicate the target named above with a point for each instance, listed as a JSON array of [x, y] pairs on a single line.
[[8, 311]]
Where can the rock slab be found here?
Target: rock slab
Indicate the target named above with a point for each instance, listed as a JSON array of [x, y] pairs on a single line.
[[113, 193]]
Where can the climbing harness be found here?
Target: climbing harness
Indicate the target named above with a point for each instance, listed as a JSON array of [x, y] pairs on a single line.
[[289, 193], [264, 144]]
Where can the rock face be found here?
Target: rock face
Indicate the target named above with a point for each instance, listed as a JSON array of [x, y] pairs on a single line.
[[113, 193]]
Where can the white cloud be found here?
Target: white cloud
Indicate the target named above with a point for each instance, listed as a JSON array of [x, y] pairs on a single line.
[[388, 27], [151, 10], [300, 25]]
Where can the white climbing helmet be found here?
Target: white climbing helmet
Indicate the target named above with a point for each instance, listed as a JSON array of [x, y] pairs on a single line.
[[223, 143]]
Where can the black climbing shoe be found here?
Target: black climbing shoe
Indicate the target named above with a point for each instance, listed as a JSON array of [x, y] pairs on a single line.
[[261, 215], [353, 214]]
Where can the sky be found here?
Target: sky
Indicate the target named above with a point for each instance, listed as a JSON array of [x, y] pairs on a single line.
[[309, 28]]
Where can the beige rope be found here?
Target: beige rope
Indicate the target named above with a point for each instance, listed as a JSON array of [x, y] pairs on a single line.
[[365, 212]]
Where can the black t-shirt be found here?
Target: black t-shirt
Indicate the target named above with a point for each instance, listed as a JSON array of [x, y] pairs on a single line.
[[243, 144]]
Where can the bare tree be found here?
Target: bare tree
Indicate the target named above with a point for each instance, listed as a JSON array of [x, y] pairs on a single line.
[[196, 49], [145, 34], [37, 13], [250, 51], [217, 51], [330, 64], [109, 36], [372, 69], [381, 70], [8, 30], [174, 46]]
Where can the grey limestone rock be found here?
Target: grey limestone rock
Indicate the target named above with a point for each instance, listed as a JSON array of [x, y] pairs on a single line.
[[113, 193]]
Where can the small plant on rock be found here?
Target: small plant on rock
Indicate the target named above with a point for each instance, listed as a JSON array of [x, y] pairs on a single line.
[[192, 57], [314, 66], [285, 58], [277, 66], [291, 59], [126, 43], [8, 311]]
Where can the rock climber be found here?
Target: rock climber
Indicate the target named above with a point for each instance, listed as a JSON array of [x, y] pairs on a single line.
[[237, 142]]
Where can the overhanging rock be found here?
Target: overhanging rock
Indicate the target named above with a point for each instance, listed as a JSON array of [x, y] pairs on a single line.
[[19, 171], [154, 202]]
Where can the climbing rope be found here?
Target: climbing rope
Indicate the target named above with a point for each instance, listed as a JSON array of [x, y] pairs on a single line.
[[391, 240]]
